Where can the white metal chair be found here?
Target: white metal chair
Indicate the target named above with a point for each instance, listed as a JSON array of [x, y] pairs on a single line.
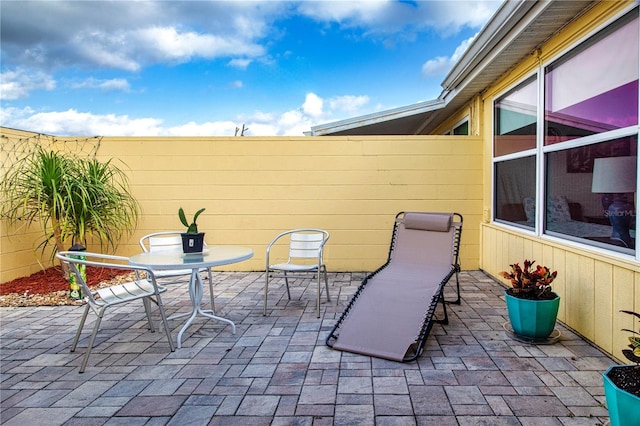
[[305, 256], [98, 301], [171, 240]]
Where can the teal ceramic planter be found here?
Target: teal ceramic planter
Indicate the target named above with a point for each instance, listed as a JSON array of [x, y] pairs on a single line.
[[532, 318], [624, 408]]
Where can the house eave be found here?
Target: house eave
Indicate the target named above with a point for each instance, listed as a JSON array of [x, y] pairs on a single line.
[[517, 29]]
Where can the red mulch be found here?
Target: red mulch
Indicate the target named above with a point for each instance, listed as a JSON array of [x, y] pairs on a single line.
[[51, 280]]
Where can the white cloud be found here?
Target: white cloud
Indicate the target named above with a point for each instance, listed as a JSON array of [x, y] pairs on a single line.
[[349, 103], [168, 43], [16, 84], [240, 63], [314, 110], [442, 64], [313, 105], [402, 18], [216, 128], [108, 85], [237, 84], [75, 123]]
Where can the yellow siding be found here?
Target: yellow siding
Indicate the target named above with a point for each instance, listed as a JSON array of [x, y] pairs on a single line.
[[594, 286], [254, 188]]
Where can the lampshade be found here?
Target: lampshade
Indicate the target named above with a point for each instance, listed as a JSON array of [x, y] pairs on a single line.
[[614, 175]]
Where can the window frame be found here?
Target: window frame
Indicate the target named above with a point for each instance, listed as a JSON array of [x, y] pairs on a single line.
[[541, 150]]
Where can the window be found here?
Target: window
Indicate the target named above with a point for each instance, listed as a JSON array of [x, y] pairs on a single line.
[[594, 89], [588, 152], [515, 190], [515, 120], [514, 137], [462, 128], [590, 193]]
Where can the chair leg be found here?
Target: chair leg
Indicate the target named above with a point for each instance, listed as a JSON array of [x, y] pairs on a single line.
[[213, 305], [445, 320], [459, 299], [96, 327], [286, 281], [326, 284], [266, 290], [147, 310], [165, 323], [318, 295], [80, 327]]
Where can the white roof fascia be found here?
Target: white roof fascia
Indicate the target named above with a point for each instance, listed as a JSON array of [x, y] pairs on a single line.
[[382, 116], [502, 22]]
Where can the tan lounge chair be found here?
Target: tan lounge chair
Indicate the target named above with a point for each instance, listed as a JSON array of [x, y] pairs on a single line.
[[392, 312]]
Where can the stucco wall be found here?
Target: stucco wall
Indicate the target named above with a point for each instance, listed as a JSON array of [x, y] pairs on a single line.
[[254, 188]]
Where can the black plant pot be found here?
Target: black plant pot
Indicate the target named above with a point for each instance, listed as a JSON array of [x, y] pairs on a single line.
[[192, 243]]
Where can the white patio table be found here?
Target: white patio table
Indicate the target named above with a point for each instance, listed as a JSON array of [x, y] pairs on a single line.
[[211, 256]]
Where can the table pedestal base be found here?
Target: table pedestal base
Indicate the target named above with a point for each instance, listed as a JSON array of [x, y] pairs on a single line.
[[195, 293]]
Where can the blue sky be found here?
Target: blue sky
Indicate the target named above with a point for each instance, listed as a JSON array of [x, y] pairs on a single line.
[[150, 68]]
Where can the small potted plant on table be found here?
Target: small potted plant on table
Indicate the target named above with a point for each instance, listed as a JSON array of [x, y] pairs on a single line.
[[192, 240], [622, 384], [531, 304]]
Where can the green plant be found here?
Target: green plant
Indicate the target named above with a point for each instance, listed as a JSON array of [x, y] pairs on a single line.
[[72, 198], [633, 353], [193, 227], [530, 283]]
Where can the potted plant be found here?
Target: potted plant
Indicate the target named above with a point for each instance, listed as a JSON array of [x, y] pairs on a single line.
[[192, 240], [531, 303], [622, 384], [72, 197]]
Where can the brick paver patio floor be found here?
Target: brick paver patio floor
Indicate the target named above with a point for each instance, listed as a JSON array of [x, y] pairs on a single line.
[[277, 370]]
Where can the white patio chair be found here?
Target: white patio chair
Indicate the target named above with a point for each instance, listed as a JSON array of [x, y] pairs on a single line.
[[305, 256], [171, 240], [99, 300]]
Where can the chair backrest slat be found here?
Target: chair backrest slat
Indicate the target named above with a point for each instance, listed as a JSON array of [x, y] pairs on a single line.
[[305, 245], [164, 243]]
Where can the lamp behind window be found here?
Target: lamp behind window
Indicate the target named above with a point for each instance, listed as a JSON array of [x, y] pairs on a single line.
[[615, 177]]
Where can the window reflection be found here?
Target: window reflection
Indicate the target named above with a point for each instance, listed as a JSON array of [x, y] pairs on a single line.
[[580, 194], [595, 88], [515, 120]]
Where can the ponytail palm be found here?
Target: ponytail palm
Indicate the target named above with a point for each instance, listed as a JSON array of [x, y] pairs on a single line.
[[71, 197]]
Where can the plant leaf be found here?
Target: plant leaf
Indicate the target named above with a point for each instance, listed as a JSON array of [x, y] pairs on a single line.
[[635, 314], [195, 216], [182, 217]]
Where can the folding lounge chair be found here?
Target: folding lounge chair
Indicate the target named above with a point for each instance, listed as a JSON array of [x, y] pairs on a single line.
[[392, 312]]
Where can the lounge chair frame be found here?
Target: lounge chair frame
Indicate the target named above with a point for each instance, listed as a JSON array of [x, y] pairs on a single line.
[[415, 349]]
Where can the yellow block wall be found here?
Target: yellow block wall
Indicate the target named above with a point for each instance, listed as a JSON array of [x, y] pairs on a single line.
[[593, 286], [254, 188]]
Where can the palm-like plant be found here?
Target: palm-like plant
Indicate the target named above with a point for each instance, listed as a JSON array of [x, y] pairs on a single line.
[[71, 197]]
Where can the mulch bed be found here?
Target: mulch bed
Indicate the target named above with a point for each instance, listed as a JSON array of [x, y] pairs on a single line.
[[50, 288]]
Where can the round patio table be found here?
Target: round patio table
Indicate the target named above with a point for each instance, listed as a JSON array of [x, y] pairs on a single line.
[[211, 256]]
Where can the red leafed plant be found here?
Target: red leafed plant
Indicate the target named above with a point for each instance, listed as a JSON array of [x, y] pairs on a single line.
[[530, 283]]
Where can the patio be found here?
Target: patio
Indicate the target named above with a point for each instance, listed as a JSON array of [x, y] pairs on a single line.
[[277, 369]]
